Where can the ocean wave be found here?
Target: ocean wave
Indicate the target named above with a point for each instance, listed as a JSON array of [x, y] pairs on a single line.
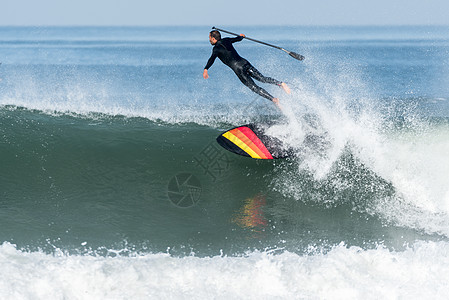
[[398, 175]]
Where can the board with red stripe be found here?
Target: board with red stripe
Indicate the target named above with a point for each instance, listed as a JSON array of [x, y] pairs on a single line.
[[251, 141]]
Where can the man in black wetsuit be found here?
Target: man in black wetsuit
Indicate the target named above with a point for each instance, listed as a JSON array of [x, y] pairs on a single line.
[[224, 50]]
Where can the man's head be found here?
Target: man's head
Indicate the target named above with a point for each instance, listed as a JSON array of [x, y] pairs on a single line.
[[214, 37]]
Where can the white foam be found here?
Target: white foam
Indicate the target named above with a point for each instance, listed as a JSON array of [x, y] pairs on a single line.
[[421, 271], [417, 165]]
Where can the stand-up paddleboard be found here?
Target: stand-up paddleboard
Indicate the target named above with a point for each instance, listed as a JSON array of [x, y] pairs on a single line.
[[251, 141]]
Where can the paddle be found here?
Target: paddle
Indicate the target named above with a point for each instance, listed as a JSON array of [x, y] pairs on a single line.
[[291, 53]]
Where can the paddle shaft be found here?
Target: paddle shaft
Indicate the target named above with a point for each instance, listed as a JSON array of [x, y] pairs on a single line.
[[291, 53]]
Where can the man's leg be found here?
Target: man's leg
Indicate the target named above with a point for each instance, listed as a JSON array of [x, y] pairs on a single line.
[[249, 82], [253, 72]]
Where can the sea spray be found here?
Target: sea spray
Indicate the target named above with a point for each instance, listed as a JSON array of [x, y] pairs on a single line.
[[405, 169]]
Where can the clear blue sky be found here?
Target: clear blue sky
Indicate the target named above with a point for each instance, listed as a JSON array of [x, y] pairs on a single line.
[[224, 12]]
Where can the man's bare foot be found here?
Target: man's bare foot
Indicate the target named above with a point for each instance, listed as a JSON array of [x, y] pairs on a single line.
[[285, 87], [276, 101]]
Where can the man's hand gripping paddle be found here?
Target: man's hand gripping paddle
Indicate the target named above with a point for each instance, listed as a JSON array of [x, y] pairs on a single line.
[[291, 53]]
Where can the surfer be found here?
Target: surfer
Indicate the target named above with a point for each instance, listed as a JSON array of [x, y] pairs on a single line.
[[224, 50]]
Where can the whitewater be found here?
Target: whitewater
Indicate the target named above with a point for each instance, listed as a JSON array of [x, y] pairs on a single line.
[[343, 273]]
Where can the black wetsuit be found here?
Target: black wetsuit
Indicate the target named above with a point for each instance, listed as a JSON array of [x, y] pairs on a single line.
[[224, 50]]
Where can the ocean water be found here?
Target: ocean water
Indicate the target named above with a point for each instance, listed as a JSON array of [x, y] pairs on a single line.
[[112, 185]]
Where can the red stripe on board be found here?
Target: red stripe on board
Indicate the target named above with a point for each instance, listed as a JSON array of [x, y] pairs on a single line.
[[257, 142]]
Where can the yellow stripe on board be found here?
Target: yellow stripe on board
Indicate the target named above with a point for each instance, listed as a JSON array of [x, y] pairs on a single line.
[[241, 144]]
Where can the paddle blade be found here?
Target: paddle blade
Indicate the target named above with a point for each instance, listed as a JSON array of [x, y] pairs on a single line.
[[296, 55]]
